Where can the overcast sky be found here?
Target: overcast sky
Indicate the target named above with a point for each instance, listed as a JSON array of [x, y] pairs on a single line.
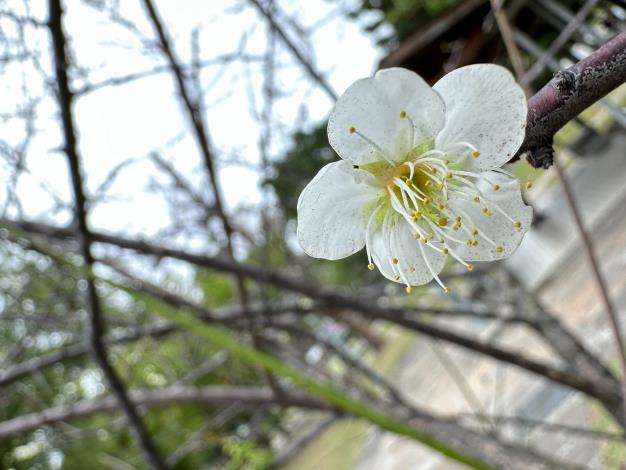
[[122, 123]]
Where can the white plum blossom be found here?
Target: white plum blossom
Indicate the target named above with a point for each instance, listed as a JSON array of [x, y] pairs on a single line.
[[420, 176]]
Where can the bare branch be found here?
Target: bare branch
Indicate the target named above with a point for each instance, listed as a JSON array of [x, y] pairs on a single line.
[[208, 396], [202, 139], [314, 74], [96, 324]]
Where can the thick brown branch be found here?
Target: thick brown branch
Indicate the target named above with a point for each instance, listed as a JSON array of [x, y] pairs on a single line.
[[568, 94]]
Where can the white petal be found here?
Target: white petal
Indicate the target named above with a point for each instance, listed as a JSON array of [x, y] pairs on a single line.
[[333, 211], [400, 243], [486, 108], [373, 107], [497, 227]]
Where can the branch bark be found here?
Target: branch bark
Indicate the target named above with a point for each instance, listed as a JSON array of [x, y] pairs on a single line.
[[569, 93]]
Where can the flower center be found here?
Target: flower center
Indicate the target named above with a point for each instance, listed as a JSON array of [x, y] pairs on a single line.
[[425, 188]]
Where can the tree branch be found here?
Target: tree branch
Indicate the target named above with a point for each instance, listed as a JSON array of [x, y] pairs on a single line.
[[95, 327], [201, 134], [570, 92], [207, 396], [606, 391]]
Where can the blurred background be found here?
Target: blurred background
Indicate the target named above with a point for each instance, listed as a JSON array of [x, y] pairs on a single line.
[[191, 128]]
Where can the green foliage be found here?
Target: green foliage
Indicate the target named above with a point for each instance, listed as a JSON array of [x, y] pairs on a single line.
[[405, 16], [245, 455], [217, 289]]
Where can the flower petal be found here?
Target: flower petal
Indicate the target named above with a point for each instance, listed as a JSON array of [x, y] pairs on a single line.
[[497, 227], [333, 211], [373, 106], [486, 108], [399, 242]]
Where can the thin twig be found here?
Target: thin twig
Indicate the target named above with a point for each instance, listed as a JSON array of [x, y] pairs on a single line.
[[587, 243], [606, 391], [211, 395], [314, 74], [96, 324], [201, 134], [571, 203]]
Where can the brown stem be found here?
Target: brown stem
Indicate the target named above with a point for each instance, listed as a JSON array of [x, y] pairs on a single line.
[[96, 324], [597, 275]]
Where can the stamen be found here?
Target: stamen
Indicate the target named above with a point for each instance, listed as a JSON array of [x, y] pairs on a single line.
[[430, 269], [474, 151], [373, 144], [368, 234]]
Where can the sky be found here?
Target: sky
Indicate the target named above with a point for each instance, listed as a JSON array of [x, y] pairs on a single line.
[[125, 123]]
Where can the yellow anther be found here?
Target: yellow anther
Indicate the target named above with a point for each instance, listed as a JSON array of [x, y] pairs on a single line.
[[475, 154], [409, 289], [474, 231], [417, 215], [442, 241], [456, 226], [433, 170], [487, 212], [474, 242], [417, 236], [427, 200], [394, 261], [458, 218], [517, 225], [396, 277], [371, 266], [425, 240], [430, 236], [468, 242], [449, 176], [446, 162], [402, 114], [499, 249], [446, 290], [529, 184], [443, 221], [412, 269], [496, 187], [428, 183], [476, 199], [440, 186], [470, 267], [352, 130], [445, 251]]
